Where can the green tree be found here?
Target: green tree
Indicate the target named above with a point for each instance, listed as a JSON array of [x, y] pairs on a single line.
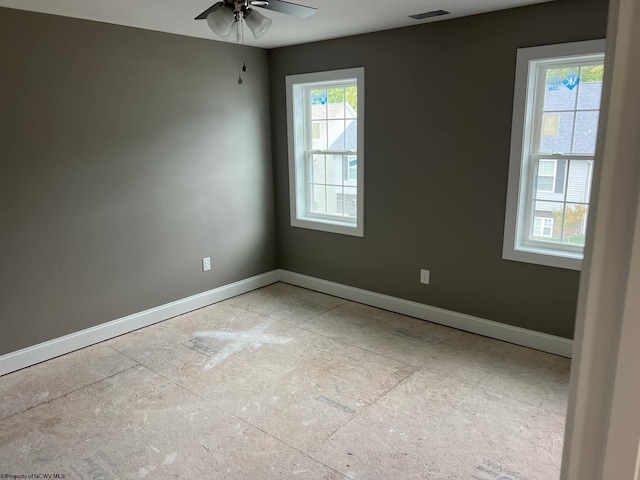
[[574, 217], [339, 95], [587, 73]]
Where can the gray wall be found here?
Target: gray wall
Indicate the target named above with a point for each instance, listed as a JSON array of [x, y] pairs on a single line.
[[437, 132], [125, 157]]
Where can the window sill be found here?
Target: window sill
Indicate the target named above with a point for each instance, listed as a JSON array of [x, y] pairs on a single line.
[[546, 257], [331, 226]]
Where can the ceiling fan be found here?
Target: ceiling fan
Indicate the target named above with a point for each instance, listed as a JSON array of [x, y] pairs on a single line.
[[222, 15]]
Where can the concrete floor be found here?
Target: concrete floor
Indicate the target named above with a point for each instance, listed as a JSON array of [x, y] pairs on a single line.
[[281, 383]]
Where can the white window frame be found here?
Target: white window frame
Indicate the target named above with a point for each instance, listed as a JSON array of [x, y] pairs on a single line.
[[297, 129], [521, 165]]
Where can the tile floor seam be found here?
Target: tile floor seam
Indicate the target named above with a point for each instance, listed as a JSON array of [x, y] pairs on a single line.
[[491, 390], [368, 406], [247, 421], [211, 403], [218, 407], [480, 387], [227, 412], [302, 452], [68, 393], [485, 389], [343, 342], [165, 377]]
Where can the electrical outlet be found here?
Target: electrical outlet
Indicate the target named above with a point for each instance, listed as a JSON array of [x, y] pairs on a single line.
[[206, 264], [424, 276]]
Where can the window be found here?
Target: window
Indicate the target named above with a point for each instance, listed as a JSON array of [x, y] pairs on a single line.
[[553, 140], [326, 150], [546, 176], [542, 227]]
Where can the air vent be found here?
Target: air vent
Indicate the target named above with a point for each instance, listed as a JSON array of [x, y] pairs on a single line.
[[433, 13]]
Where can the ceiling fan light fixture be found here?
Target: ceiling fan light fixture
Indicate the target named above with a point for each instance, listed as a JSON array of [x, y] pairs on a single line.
[[257, 23], [220, 20]]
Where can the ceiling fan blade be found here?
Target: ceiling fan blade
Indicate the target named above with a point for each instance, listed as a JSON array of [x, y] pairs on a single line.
[[204, 14], [288, 8]]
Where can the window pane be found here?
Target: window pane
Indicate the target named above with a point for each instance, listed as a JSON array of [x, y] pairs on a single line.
[[351, 135], [334, 200], [351, 100], [315, 130], [350, 201], [560, 89], [592, 73], [561, 142], [336, 134], [589, 95], [319, 199], [335, 170], [318, 174], [336, 96], [579, 182], [586, 132], [549, 226], [575, 224], [319, 128], [318, 100], [352, 170]]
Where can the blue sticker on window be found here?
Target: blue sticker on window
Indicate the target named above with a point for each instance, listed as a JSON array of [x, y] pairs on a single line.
[[319, 98], [571, 81]]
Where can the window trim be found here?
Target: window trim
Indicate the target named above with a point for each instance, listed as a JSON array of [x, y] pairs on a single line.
[[514, 247], [295, 86]]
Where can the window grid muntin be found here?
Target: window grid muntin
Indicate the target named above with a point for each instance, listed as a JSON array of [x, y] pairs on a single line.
[[308, 117], [310, 151], [310, 183], [540, 67], [528, 239]]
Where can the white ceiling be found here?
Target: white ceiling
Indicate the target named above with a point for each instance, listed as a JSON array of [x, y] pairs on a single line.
[[334, 18]]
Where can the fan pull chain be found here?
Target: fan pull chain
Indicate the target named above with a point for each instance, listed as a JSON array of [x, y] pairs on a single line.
[[241, 52]]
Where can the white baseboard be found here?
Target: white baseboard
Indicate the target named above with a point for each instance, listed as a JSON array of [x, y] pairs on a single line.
[[59, 346], [488, 328]]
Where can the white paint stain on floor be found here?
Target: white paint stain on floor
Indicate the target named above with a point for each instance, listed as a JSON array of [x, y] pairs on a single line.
[[41, 396], [144, 471], [253, 338], [169, 459]]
